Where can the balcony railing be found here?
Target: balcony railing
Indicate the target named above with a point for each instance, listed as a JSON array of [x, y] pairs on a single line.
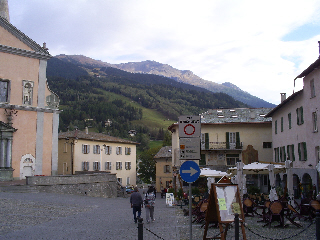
[[221, 146]]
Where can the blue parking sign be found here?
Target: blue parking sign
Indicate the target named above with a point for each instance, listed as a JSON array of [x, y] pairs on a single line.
[[189, 171]]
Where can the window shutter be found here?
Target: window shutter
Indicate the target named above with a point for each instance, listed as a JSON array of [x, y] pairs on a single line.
[[88, 146], [164, 168], [82, 148], [281, 124], [289, 120], [305, 151], [94, 149], [281, 155], [203, 141], [237, 140], [288, 151], [301, 112], [284, 153], [299, 151], [293, 157], [227, 140], [297, 110], [83, 162], [207, 140], [276, 127], [120, 165], [203, 159], [169, 169]]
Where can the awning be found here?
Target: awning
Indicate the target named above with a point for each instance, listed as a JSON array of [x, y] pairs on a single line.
[[207, 172], [258, 168]]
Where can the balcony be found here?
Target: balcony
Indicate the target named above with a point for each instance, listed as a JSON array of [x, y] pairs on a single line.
[[221, 146]]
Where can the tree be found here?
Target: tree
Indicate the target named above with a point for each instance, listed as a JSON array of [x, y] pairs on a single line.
[[167, 139], [144, 141], [147, 165]]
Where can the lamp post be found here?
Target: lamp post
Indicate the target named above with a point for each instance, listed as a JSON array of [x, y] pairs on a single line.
[[72, 142]]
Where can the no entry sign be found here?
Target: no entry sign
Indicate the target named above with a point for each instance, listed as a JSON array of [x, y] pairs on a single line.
[[189, 126]]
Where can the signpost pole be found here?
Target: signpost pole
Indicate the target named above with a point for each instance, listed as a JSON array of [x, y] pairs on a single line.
[[190, 210]]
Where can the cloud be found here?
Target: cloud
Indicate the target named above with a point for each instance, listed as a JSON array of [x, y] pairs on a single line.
[[244, 42]]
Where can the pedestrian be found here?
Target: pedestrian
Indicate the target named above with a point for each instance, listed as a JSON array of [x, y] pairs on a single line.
[[136, 203], [149, 202]]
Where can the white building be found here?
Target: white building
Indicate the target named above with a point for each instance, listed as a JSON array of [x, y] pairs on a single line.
[[295, 132]]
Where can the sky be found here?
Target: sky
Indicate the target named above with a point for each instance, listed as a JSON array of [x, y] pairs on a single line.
[[260, 46]]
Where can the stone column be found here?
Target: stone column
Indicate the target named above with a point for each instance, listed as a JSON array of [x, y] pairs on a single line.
[[9, 147], [2, 154]]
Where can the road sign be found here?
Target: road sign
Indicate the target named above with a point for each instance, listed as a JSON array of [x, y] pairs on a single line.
[[189, 126], [189, 171], [189, 148]]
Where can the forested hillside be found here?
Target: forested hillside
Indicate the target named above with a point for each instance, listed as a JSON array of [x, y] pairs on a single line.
[[92, 97]]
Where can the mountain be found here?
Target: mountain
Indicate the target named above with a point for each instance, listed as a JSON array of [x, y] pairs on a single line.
[[115, 101], [185, 76]]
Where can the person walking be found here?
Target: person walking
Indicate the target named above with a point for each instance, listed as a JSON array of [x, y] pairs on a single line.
[[136, 203], [149, 202]]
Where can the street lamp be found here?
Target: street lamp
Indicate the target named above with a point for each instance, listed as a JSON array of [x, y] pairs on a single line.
[[72, 142]]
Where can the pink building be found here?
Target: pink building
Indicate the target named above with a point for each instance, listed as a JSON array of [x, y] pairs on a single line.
[[29, 114]]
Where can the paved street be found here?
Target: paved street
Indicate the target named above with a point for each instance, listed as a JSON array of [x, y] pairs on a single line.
[[55, 216]]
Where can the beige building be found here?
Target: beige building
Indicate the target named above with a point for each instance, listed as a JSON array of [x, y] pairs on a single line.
[[164, 171], [29, 115], [229, 136], [83, 151]]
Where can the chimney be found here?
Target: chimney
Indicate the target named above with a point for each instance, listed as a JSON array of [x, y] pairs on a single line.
[[283, 96], [87, 130], [4, 9]]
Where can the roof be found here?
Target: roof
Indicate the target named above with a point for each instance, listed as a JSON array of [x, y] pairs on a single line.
[[312, 67], [289, 99], [39, 50], [77, 134], [164, 152], [235, 115]]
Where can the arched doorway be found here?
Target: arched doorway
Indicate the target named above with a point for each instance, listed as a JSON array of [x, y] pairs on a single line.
[[306, 186], [296, 184]]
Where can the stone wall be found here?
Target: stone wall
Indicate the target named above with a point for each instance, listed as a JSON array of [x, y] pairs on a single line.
[[93, 185]]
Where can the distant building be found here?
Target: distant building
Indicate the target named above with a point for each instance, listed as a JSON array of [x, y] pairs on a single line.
[[83, 151], [295, 131], [229, 136], [29, 114], [132, 133], [164, 171]]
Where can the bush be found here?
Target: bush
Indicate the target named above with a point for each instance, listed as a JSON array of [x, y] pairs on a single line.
[[253, 190]]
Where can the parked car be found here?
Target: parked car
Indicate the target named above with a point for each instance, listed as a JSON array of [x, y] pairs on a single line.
[[129, 190]]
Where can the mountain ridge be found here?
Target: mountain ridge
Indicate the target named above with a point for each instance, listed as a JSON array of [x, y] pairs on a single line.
[[185, 76]]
